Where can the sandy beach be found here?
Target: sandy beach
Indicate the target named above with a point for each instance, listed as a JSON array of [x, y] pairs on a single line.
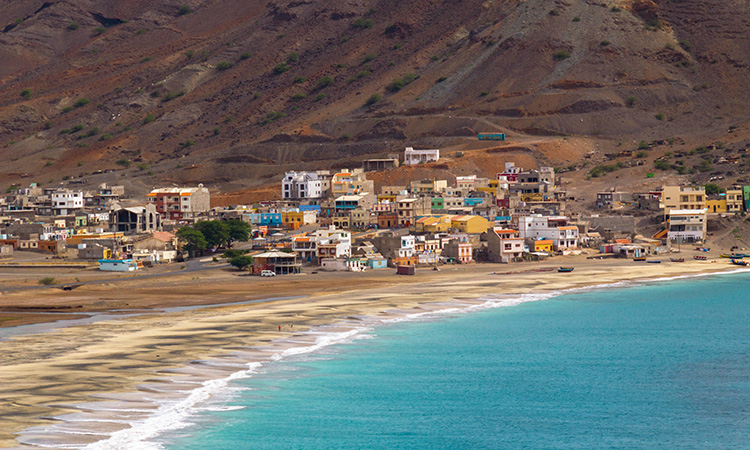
[[165, 336]]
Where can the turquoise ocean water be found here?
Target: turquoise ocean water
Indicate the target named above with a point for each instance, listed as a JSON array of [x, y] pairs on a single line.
[[658, 366]]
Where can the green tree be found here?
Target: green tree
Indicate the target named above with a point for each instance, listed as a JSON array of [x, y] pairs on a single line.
[[239, 231], [713, 189], [241, 262], [192, 239], [216, 232], [229, 254]]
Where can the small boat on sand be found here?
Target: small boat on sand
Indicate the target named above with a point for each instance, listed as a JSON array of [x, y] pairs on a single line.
[[639, 258], [677, 259], [732, 256], [654, 261], [700, 258], [739, 262], [565, 269]]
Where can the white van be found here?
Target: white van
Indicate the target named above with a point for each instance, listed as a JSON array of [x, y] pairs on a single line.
[[267, 273]]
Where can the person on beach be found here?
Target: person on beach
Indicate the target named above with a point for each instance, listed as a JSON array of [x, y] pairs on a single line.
[[279, 327]]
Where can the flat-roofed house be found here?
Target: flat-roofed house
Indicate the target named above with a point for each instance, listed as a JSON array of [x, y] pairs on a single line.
[[134, 219], [412, 156], [556, 228], [302, 186], [180, 203], [504, 245], [734, 199], [687, 225], [682, 197], [458, 251]]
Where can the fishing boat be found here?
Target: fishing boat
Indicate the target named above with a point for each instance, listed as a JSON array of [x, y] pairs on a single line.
[[700, 258], [702, 249], [565, 269], [677, 259], [724, 255], [741, 255], [639, 258], [739, 262], [654, 261]]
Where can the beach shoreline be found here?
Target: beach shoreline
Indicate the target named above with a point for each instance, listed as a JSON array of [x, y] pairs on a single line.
[[48, 373]]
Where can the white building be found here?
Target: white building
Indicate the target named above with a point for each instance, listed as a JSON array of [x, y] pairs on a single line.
[[510, 175], [412, 156], [118, 265], [65, 202], [407, 246], [306, 247], [301, 185], [687, 225], [556, 228], [332, 234]]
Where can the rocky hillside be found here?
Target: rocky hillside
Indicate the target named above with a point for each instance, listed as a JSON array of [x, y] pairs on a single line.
[[233, 92]]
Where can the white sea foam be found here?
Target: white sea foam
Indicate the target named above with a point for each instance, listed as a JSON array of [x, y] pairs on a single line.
[[223, 408], [174, 415], [168, 417]]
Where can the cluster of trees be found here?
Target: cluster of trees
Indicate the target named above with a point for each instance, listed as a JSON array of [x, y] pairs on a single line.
[[713, 189], [213, 234]]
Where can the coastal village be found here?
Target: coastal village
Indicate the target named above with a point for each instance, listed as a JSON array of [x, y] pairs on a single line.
[[338, 221], [374, 224]]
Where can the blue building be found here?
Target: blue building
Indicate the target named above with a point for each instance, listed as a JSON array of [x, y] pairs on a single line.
[[266, 219], [118, 265], [349, 202], [377, 263], [304, 208]]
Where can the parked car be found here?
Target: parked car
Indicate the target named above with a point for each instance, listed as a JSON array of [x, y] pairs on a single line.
[[267, 273]]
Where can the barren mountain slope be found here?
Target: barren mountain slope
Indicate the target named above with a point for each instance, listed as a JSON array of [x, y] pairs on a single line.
[[232, 92]]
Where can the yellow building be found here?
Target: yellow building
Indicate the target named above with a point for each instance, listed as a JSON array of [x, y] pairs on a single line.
[[387, 198], [734, 199], [470, 224], [718, 205], [428, 186], [433, 224], [491, 187], [532, 197], [682, 197], [293, 217], [543, 245], [79, 238]]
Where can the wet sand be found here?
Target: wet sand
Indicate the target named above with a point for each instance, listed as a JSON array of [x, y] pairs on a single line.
[[116, 360]]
